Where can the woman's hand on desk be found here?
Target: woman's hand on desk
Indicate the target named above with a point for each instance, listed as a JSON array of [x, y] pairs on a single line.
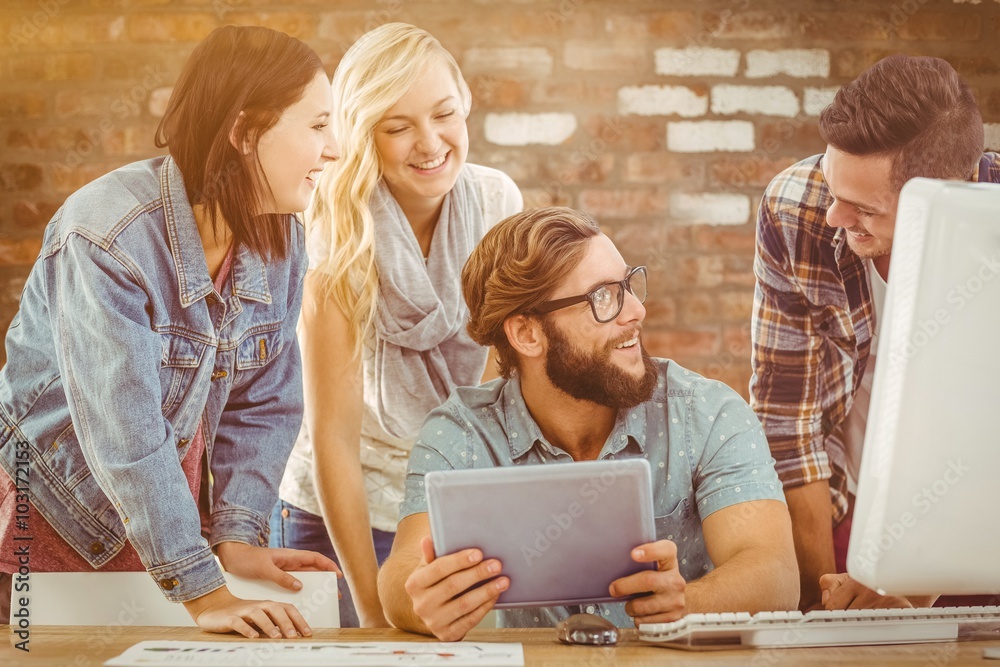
[[272, 564], [439, 590], [221, 611], [666, 586]]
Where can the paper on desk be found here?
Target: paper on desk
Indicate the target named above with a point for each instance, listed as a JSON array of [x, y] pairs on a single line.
[[314, 654]]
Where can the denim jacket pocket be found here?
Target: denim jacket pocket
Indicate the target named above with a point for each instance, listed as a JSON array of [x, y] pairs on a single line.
[[64, 461], [258, 347], [92, 496], [181, 358], [64, 457]]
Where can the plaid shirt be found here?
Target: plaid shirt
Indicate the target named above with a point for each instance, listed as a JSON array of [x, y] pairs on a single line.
[[812, 327]]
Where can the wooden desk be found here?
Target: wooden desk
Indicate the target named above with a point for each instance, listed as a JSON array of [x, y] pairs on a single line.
[[90, 646]]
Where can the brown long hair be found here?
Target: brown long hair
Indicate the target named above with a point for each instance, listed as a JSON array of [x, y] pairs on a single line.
[[232, 90], [516, 267], [916, 110]]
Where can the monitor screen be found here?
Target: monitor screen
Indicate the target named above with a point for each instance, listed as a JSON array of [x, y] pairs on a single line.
[[927, 512]]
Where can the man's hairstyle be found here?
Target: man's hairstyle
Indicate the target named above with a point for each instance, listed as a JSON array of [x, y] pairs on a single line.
[[233, 89], [915, 110], [516, 267]]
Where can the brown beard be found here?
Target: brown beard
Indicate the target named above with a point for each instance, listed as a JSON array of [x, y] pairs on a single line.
[[592, 376]]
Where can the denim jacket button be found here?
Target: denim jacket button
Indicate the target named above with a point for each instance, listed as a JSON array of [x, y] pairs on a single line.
[[285, 513], [96, 548], [219, 375], [168, 584]]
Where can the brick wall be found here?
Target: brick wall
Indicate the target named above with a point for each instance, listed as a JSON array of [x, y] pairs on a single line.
[[665, 119]]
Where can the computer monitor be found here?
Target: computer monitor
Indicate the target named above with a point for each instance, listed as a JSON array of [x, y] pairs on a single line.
[[927, 511]]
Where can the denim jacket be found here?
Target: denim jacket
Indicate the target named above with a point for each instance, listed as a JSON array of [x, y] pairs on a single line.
[[121, 347]]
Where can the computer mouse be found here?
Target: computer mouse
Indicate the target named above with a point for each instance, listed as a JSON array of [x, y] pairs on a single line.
[[587, 629]]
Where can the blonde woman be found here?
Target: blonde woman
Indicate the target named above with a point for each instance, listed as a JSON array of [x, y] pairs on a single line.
[[383, 320]]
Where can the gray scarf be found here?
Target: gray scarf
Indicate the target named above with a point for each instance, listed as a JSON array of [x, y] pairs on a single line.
[[422, 350]]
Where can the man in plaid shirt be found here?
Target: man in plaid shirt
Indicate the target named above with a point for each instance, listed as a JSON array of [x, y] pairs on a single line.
[[824, 237]]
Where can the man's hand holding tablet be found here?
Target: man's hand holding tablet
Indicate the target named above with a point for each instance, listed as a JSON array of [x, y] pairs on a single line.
[[559, 535], [446, 591], [666, 603]]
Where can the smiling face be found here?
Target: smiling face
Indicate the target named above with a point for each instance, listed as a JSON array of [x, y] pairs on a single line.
[[422, 140], [294, 151], [864, 200], [600, 362]]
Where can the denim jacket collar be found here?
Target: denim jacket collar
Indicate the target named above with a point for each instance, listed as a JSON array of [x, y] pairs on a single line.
[[249, 278]]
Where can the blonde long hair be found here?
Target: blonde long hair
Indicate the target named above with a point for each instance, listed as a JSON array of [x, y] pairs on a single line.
[[373, 75]]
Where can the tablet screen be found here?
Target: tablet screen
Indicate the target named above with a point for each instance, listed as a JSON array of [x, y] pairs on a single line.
[[563, 532]]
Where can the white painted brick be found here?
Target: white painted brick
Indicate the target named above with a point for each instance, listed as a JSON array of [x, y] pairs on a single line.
[[766, 100], [710, 135], [158, 99], [992, 131], [697, 61], [709, 208], [815, 100], [525, 59], [661, 101], [522, 129], [793, 62]]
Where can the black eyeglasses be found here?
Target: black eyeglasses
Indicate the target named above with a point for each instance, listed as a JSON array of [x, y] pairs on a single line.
[[607, 300]]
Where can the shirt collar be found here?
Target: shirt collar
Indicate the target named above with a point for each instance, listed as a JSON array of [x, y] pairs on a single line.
[[249, 277], [630, 428], [523, 432]]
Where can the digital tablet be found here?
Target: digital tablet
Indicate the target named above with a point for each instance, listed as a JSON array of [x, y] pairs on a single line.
[[563, 532]]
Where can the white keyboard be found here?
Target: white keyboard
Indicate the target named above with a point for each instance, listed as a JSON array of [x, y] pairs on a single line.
[[853, 627]]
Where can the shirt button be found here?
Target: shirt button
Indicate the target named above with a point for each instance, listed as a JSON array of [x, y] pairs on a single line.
[[168, 584], [96, 548], [210, 299], [591, 609], [182, 442]]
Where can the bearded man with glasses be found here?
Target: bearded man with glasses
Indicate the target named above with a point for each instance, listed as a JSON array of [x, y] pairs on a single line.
[[564, 312]]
